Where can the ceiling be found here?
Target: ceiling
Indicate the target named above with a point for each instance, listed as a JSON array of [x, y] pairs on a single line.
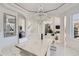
[[38, 6], [53, 8]]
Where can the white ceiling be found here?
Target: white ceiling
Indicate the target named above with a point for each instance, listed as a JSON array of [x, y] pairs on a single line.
[[36, 6], [47, 6]]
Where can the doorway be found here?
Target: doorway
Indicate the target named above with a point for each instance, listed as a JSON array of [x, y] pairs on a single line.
[[52, 28], [21, 29]]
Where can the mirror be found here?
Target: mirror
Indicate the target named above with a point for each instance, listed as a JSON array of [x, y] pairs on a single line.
[[9, 25]]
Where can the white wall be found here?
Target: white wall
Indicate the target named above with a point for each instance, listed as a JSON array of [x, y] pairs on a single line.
[[4, 41], [70, 41], [13, 40]]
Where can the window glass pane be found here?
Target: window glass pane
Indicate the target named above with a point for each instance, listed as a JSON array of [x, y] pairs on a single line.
[[76, 25]]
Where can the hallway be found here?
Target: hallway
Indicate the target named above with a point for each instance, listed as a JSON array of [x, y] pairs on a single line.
[[39, 29]]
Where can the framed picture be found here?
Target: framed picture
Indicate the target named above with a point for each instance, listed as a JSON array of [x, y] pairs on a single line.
[[9, 25], [57, 26]]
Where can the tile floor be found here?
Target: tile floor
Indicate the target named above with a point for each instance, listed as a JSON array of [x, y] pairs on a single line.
[[14, 51]]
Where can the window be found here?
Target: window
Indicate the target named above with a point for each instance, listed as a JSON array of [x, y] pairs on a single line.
[[76, 25]]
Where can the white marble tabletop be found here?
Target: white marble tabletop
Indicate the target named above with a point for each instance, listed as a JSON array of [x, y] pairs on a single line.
[[37, 46]]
